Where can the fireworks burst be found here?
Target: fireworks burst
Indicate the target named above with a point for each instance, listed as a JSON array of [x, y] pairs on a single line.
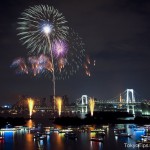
[[69, 57], [88, 64], [55, 50], [39, 21], [40, 64], [59, 49], [21, 66], [44, 31]]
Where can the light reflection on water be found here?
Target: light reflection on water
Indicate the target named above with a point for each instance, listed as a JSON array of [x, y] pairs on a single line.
[[96, 145], [30, 123], [9, 138], [29, 140], [23, 140]]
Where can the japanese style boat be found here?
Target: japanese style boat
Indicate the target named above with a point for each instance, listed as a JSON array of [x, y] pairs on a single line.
[[139, 129], [8, 129], [98, 130], [96, 139], [123, 135], [71, 135], [65, 130]]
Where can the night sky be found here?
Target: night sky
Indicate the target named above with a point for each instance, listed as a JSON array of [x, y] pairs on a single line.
[[116, 34]]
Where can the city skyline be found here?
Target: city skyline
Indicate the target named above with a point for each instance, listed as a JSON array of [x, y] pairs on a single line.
[[116, 34]]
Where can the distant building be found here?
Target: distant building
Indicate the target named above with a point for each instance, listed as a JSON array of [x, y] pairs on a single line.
[[6, 106], [65, 100], [22, 103], [51, 100], [43, 102], [145, 108]]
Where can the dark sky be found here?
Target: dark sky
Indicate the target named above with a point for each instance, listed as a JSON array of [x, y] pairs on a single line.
[[116, 34]]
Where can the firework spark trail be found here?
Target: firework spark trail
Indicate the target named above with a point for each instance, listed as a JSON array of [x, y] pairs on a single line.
[[21, 65], [30, 105], [88, 64], [35, 65], [40, 64], [53, 72], [59, 48], [59, 104], [45, 62], [91, 105], [61, 64], [94, 62]]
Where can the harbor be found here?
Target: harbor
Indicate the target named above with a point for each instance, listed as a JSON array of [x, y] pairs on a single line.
[[49, 136]]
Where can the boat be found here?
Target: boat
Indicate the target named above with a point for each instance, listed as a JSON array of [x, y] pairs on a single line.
[[71, 135], [18, 127], [123, 135], [142, 142], [119, 129], [8, 129], [42, 137], [145, 136], [65, 130], [101, 133], [98, 130], [25, 128], [82, 129], [105, 126], [139, 129], [96, 139], [33, 129], [146, 125], [39, 136], [47, 129], [47, 132], [54, 130], [132, 126]]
